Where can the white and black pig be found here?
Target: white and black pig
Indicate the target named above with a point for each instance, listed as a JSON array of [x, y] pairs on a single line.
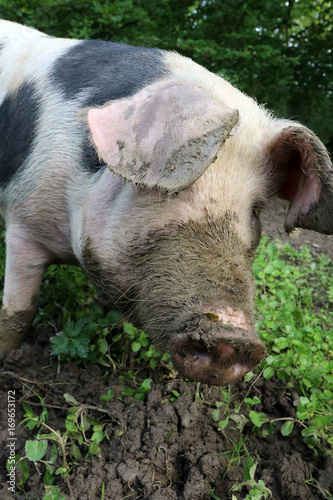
[[150, 172]]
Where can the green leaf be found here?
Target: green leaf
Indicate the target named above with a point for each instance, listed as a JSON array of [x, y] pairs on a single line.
[[136, 346], [103, 346], [247, 468], [99, 427], [223, 423], [53, 493], [113, 316], [53, 454], [153, 364], [107, 397], [93, 448], [146, 385], [282, 342], [252, 401], [28, 410], [49, 477], [128, 392], [25, 472], [98, 436], [76, 452], [216, 415], [60, 470], [70, 399], [35, 450], [258, 418], [287, 428], [268, 372], [321, 421], [130, 329], [309, 431], [70, 426]]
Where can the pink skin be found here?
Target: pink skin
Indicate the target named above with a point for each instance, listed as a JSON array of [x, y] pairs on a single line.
[[304, 199], [234, 317]]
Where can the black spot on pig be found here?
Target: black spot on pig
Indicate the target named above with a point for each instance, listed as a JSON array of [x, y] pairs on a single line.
[[107, 70], [18, 121], [89, 157]]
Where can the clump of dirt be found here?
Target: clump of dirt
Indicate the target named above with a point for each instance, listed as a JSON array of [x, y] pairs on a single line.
[[167, 446]]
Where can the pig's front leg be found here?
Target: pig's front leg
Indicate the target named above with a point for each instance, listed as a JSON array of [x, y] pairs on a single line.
[[26, 261]]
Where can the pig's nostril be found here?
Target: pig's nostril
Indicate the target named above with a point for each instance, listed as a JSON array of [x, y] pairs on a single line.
[[224, 351], [221, 353], [238, 370], [202, 355]]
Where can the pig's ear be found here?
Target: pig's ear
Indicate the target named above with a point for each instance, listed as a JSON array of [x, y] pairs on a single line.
[[304, 174], [164, 136]]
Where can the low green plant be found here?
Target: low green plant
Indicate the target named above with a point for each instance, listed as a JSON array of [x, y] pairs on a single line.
[[140, 344], [295, 311], [85, 340], [257, 489], [139, 392], [229, 411], [79, 441], [105, 398], [236, 454], [53, 493]]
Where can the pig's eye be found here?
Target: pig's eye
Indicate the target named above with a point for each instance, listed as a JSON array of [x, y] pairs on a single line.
[[256, 210], [256, 224]]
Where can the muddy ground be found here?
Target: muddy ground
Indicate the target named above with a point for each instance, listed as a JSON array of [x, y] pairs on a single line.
[[162, 449]]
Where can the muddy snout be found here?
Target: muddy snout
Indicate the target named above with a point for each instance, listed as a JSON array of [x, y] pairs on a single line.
[[217, 355]]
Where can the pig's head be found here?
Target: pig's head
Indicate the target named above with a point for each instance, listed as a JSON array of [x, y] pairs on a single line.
[[203, 172]]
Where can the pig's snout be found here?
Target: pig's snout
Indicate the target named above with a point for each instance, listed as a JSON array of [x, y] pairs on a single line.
[[217, 357]]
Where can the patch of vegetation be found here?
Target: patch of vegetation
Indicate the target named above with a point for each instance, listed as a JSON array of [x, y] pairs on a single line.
[[295, 320], [257, 489], [79, 441]]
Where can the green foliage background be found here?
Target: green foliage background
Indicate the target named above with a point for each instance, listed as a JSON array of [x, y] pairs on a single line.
[[276, 50]]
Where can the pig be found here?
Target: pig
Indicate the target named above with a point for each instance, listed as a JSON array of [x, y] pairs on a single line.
[[149, 172]]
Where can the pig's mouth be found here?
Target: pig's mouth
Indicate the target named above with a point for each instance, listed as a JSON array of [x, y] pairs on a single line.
[[220, 362]]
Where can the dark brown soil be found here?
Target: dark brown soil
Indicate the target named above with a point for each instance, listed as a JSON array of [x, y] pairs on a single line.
[[162, 449]]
